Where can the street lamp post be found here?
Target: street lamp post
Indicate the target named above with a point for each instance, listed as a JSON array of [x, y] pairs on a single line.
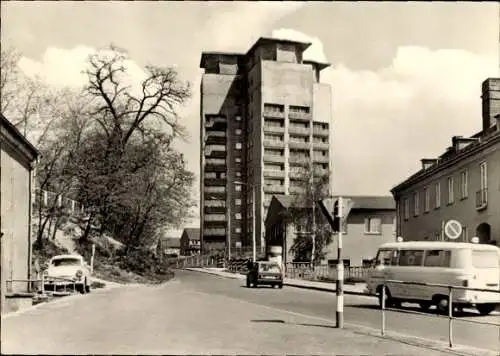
[[254, 242]]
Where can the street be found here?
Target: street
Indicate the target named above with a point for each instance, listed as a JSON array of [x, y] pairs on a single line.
[[198, 313]]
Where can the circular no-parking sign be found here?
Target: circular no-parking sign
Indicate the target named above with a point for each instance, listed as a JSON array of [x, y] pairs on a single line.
[[453, 229]]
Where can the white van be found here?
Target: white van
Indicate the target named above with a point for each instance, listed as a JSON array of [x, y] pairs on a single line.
[[448, 263]]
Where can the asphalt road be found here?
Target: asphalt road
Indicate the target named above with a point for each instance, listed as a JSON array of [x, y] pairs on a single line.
[[199, 313], [358, 310]]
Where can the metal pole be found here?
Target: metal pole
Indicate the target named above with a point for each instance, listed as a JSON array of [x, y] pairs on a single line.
[[340, 273], [313, 252], [450, 316], [382, 329], [229, 227], [254, 243]]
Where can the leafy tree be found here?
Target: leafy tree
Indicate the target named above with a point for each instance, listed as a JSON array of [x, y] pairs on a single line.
[[314, 231]]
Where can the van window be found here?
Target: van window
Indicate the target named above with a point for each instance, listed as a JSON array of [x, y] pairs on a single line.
[[385, 257], [437, 258], [411, 257], [485, 259]]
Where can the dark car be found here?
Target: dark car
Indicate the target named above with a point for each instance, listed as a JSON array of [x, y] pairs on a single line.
[[264, 273]]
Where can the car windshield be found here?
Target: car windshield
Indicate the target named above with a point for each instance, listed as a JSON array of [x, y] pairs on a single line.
[[66, 262], [485, 259], [269, 267]]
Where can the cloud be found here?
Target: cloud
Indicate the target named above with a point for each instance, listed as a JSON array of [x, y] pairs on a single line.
[[385, 121], [61, 67]]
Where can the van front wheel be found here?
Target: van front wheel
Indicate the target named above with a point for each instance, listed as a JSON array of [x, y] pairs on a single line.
[[485, 309]]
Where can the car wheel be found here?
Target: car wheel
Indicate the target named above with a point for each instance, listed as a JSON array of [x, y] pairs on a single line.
[[280, 285], [425, 305], [248, 283]]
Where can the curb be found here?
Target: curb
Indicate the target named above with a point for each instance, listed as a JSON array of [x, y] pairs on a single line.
[[288, 284]]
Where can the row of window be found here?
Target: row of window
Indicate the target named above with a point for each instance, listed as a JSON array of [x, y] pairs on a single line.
[[450, 183], [427, 258]]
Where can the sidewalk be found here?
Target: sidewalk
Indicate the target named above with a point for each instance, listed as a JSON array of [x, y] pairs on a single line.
[[357, 289]]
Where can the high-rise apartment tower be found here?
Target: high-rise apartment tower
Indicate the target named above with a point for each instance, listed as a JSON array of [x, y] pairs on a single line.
[[265, 117]]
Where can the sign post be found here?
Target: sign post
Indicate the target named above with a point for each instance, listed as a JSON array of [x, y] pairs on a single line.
[[92, 260], [336, 211], [340, 272], [453, 229]]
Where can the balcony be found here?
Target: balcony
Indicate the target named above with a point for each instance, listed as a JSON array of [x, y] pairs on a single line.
[[321, 159], [215, 167], [215, 182], [301, 175], [321, 145], [218, 120], [215, 140], [301, 145], [482, 199], [215, 189], [214, 217], [302, 161], [274, 158], [274, 129], [300, 131], [274, 173], [297, 115], [274, 143], [274, 188], [296, 190], [273, 114], [321, 132], [214, 232]]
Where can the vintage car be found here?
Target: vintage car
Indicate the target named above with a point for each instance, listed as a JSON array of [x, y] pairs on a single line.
[[67, 271], [264, 273]]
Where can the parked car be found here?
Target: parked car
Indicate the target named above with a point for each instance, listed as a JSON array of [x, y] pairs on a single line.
[[68, 271], [264, 273]]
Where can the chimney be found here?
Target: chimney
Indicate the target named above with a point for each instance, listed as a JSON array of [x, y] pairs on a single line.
[[491, 102], [428, 162]]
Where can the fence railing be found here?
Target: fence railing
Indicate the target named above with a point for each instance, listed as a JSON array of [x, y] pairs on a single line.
[[449, 304], [325, 272]]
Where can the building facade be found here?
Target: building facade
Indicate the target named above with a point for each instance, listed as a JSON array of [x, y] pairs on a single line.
[[462, 184], [265, 117], [16, 161], [190, 242], [371, 222]]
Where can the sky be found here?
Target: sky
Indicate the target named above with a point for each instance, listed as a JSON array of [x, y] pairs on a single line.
[[405, 77]]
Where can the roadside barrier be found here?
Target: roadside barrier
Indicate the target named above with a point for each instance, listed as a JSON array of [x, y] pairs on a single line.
[[445, 301], [38, 286]]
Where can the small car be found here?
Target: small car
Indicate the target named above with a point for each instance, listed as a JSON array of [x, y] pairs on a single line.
[[264, 273], [67, 271]]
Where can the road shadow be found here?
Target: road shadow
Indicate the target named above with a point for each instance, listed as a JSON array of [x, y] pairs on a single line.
[[280, 321], [258, 287], [417, 310]]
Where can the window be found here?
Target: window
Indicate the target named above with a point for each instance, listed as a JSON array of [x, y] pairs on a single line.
[[484, 259], [438, 195], [386, 257], [238, 160], [484, 175], [411, 257], [238, 145], [238, 230], [406, 208], [427, 202], [373, 226], [416, 202], [237, 132], [238, 202], [238, 118], [238, 174], [238, 188], [237, 216], [464, 184], [451, 196], [437, 258]]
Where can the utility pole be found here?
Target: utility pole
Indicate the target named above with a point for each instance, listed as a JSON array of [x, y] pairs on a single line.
[[340, 272], [254, 242]]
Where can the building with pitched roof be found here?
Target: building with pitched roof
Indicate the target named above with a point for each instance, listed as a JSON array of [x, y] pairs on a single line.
[[370, 223], [462, 184], [16, 164], [190, 241]]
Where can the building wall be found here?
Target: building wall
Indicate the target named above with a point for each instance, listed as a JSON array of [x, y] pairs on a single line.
[[357, 244], [15, 219], [427, 225]]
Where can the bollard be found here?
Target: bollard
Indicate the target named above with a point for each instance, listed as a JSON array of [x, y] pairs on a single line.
[[382, 329], [450, 316], [43, 284]]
